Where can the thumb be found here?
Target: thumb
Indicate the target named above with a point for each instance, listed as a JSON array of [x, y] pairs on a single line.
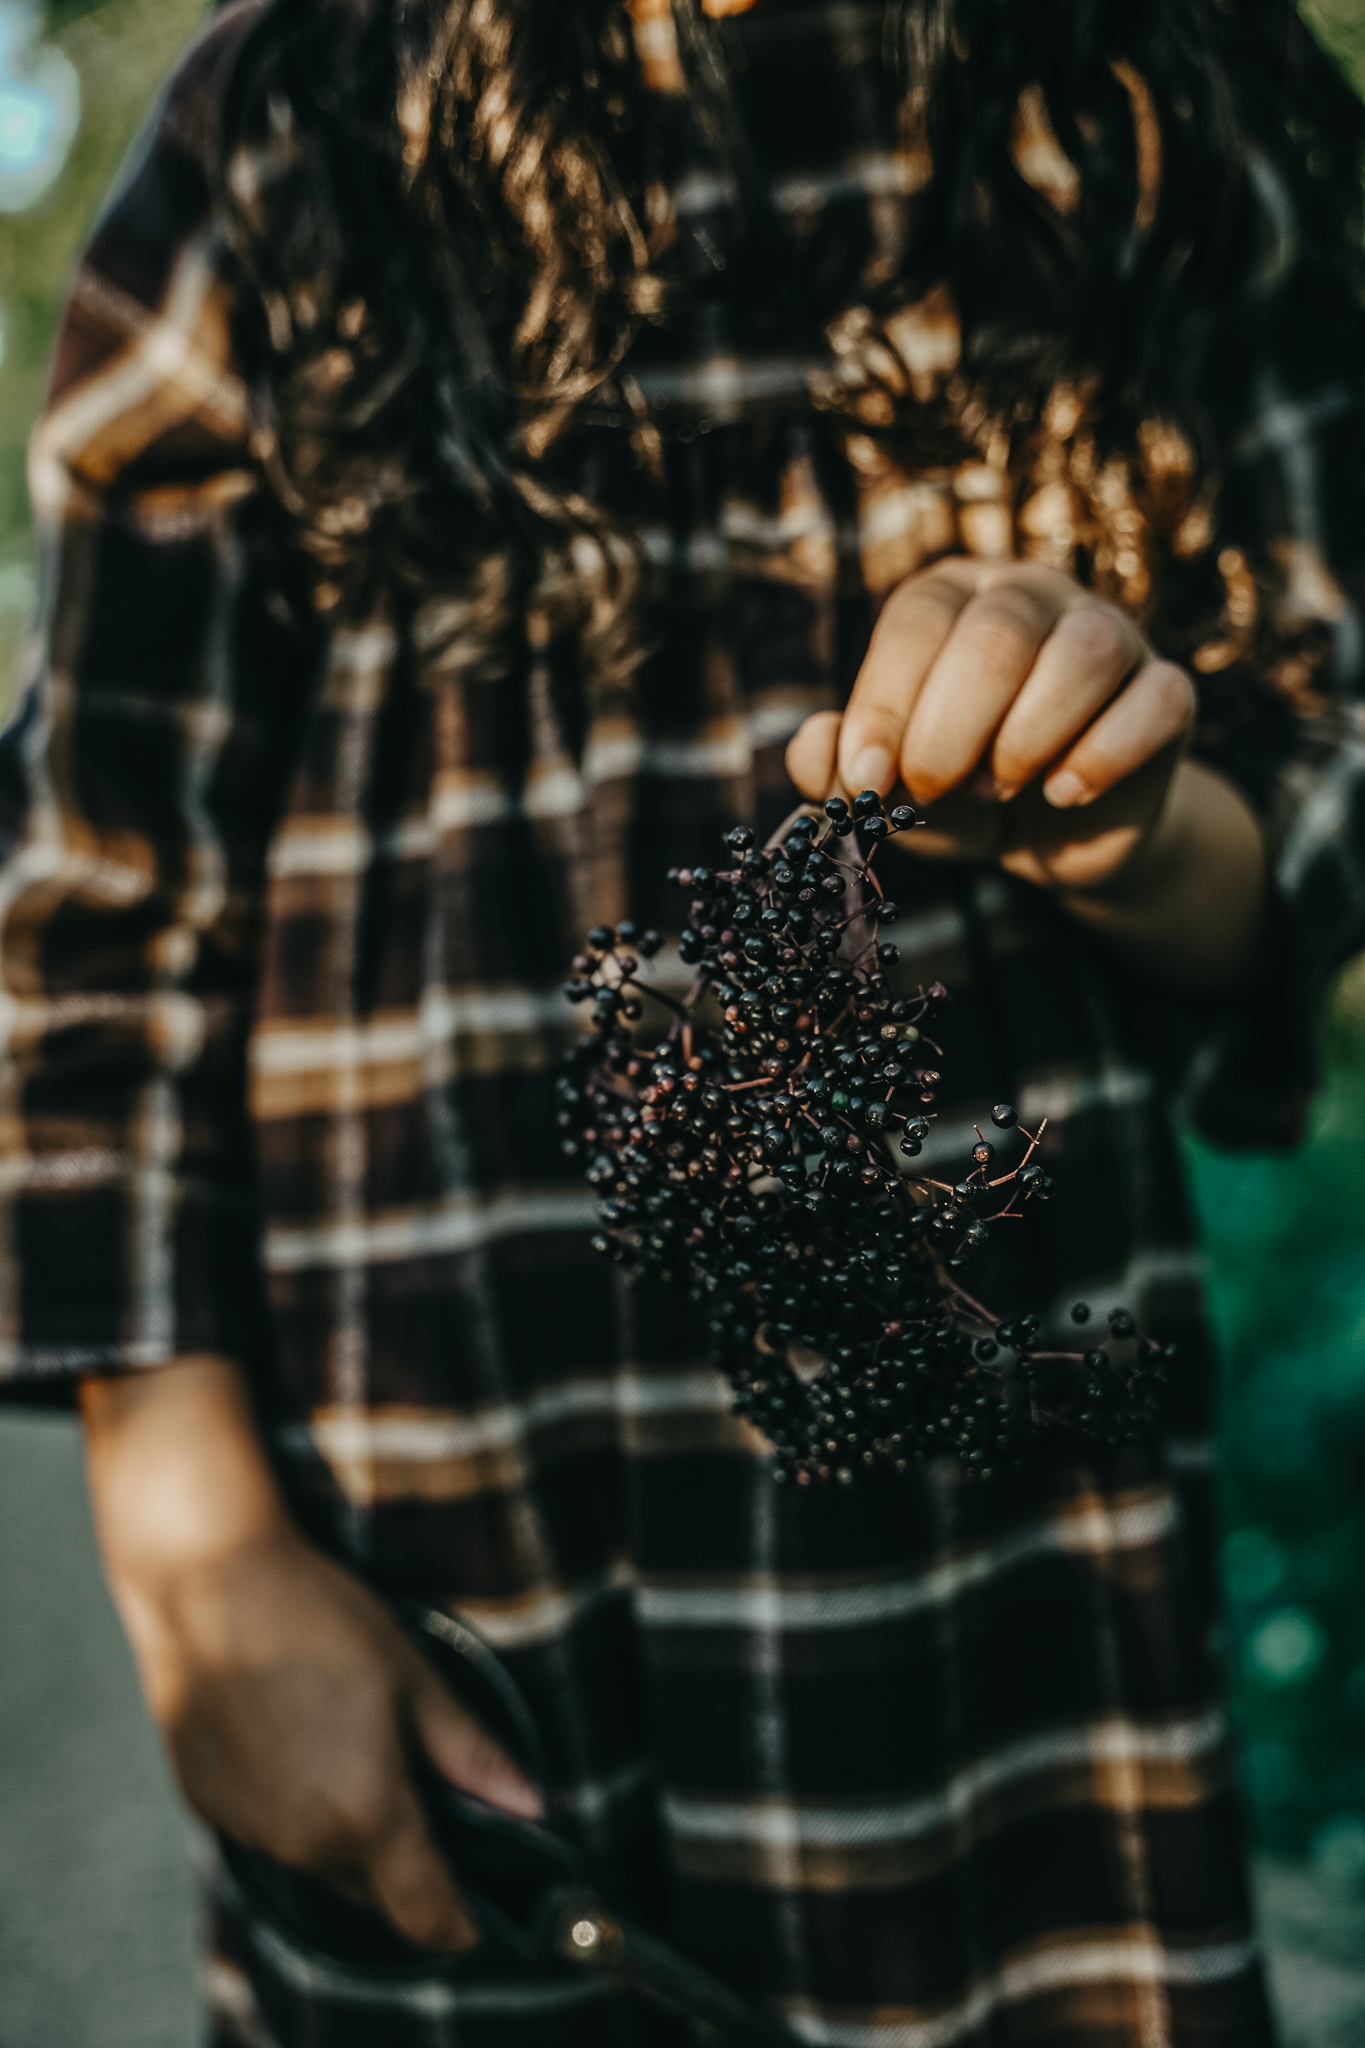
[[811, 755], [463, 1751]]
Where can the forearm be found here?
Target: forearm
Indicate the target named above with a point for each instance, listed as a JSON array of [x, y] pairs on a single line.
[[178, 1480], [1188, 907]]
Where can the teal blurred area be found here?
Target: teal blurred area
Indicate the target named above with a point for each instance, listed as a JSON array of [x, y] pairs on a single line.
[[1284, 1239], [1285, 1243]]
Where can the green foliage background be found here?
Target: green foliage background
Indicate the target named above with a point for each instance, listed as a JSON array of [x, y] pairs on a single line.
[[1285, 1237], [1285, 1245]]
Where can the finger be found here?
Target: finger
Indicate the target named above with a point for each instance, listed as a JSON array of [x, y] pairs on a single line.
[[915, 622], [981, 670], [811, 755], [1080, 666], [466, 1753], [1078, 848], [1155, 711], [412, 1885]]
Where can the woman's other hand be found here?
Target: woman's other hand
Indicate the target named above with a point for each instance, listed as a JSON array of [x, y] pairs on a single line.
[[1036, 728], [292, 1705]]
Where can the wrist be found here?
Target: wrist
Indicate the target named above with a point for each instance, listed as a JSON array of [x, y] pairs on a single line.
[[179, 1481]]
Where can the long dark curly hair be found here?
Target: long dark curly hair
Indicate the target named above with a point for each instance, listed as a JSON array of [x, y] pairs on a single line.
[[450, 223]]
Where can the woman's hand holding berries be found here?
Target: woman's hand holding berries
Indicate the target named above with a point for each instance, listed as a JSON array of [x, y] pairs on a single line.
[[1043, 733]]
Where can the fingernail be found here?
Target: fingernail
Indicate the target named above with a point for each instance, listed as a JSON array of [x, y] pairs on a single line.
[[1065, 789], [872, 769], [987, 790]]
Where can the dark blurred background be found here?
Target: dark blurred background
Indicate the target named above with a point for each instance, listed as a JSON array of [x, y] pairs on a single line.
[[97, 1936]]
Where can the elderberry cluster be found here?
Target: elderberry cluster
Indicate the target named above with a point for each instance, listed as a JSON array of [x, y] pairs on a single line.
[[759, 1152]]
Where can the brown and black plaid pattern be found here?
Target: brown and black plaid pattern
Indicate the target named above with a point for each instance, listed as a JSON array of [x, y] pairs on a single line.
[[282, 938]]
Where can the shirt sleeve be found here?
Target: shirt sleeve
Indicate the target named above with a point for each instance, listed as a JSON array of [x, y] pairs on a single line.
[[138, 778], [1301, 766]]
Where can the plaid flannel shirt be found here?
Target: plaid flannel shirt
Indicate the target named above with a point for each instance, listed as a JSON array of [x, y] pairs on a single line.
[[281, 935]]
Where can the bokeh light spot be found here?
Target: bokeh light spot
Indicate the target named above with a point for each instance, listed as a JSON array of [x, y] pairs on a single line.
[[39, 109], [23, 119], [1253, 1566], [1286, 1648]]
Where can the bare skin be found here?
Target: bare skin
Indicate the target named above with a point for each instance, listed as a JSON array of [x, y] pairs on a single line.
[[1042, 732], [289, 1700]]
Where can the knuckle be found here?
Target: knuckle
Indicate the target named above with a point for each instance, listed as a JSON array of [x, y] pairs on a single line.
[[1010, 623], [1173, 694], [929, 598], [879, 719], [1027, 607], [1098, 635]]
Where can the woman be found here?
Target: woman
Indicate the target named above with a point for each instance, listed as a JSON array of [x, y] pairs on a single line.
[[482, 436]]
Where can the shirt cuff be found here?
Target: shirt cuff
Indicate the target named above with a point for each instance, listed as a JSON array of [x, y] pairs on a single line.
[[114, 1279]]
